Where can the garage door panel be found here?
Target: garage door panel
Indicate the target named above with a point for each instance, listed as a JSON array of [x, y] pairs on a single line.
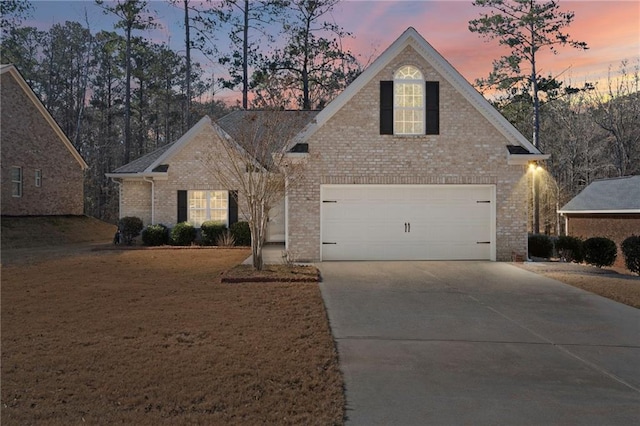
[[367, 222], [359, 232]]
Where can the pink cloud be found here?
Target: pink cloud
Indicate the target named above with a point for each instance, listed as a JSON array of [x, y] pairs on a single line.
[[610, 28]]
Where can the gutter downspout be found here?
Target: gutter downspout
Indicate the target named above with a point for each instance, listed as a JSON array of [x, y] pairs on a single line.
[[119, 183], [153, 198]]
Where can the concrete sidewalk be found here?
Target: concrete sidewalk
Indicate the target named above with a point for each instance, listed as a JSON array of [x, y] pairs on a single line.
[[480, 343]]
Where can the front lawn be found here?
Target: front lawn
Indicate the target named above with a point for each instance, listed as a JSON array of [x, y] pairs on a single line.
[[152, 336]]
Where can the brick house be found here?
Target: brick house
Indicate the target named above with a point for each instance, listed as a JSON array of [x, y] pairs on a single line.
[[175, 183], [42, 172], [607, 208], [409, 162]]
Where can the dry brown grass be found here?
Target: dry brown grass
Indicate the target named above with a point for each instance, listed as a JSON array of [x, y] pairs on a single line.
[[612, 283], [151, 336], [42, 231]]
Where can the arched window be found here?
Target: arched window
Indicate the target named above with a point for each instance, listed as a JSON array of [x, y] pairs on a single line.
[[408, 102]]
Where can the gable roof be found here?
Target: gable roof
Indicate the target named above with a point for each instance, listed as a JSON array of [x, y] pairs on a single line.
[[230, 128], [142, 163], [235, 123], [617, 195], [13, 71], [148, 164], [412, 38]]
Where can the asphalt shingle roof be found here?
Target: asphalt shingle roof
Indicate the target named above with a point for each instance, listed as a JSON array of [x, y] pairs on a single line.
[[236, 124], [288, 123], [140, 164], [607, 195]]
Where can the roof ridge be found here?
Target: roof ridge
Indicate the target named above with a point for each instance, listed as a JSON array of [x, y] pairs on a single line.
[[615, 178]]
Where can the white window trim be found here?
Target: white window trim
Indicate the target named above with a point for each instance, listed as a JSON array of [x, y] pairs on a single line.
[[18, 182], [38, 178], [397, 82], [207, 208]]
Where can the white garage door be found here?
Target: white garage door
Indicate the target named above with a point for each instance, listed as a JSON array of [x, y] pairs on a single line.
[[408, 222]]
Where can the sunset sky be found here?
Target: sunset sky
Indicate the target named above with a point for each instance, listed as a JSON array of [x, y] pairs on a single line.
[[610, 28]]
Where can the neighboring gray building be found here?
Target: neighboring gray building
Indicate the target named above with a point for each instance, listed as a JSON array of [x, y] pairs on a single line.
[[605, 208]]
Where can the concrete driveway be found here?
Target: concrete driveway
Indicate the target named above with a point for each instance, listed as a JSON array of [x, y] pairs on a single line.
[[479, 343]]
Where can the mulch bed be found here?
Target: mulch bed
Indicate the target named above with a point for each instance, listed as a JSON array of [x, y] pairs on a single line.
[[112, 247], [272, 273]]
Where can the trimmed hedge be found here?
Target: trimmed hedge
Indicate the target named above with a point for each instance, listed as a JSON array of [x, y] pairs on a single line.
[[540, 245], [183, 234], [241, 233], [600, 251], [130, 227], [631, 250], [155, 235], [211, 230], [570, 248]]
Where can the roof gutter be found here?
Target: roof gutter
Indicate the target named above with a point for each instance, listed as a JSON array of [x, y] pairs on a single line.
[[153, 198], [119, 183], [524, 159], [138, 176], [627, 211]]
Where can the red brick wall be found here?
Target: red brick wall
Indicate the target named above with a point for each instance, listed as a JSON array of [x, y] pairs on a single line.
[[616, 227], [28, 141]]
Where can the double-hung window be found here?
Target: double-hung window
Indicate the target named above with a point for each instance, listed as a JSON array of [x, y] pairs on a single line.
[[409, 105], [208, 205], [16, 181], [408, 102]]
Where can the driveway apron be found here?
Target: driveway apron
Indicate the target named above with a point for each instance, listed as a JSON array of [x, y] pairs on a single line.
[[479, 343]]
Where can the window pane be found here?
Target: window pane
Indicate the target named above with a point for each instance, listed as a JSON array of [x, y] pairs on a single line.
[[196, 217], [408, 72], [218, 199], [412, 95], [219, 216], [207, 205], [16, 181], [408, 101], [197, 199], [197, 208], [219, 206], [16, 174]]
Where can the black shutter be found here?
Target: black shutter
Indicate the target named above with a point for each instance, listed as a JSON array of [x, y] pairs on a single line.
[[182, 206], [432, 110], [233, 207], [386, 107]]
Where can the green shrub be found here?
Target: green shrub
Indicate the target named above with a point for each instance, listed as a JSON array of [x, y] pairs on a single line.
[[570, 248], [631, 250], [241, 233], [540, 246], [130, 227], [155, 235], [183, 234], [211, 230], [599, 251]]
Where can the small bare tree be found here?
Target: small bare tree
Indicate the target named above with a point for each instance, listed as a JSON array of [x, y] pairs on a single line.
[[254, 162]]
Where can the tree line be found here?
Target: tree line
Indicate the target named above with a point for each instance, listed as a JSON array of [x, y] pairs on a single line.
[[591, 133], [118, 95]]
